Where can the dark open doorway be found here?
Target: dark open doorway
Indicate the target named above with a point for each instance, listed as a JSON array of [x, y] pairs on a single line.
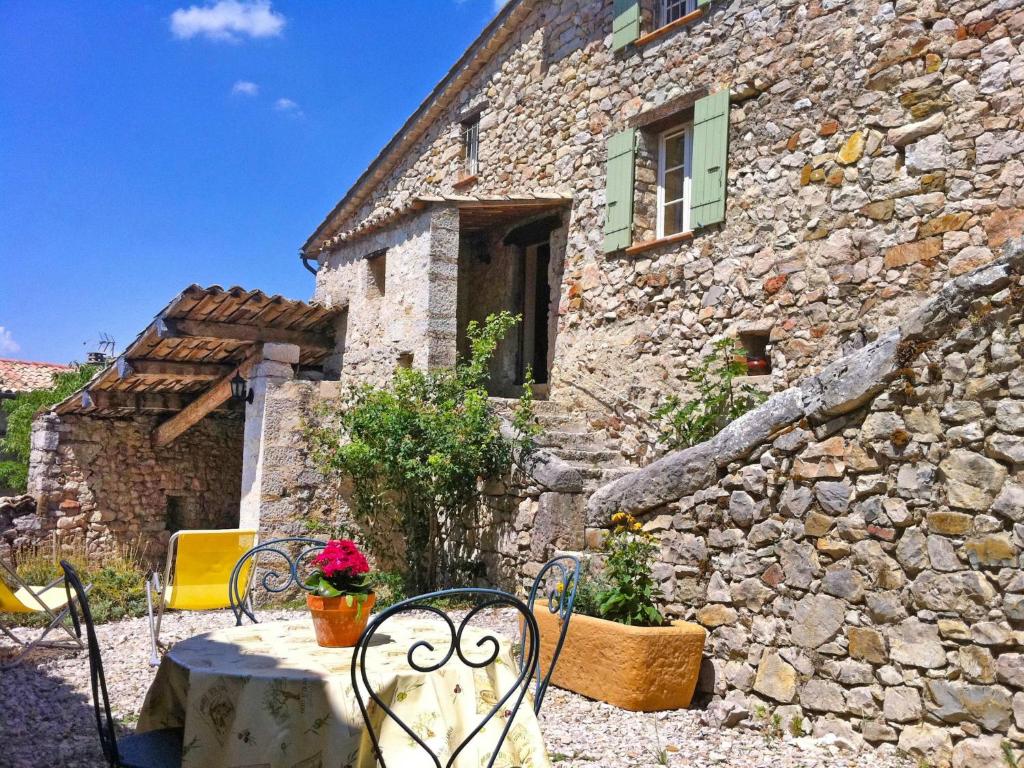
[[536, 303]]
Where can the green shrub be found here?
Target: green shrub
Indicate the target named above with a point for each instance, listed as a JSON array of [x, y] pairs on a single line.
[[118, 584], [416, 450], [20, 412], [719, 399], [631, 595]]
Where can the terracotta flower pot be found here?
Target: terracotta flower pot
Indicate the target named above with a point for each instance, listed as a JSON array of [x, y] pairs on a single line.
[[338, 624], [644, 669]]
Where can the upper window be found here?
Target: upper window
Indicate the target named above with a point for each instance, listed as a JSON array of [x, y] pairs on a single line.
[[471, 145], [675, 153], [672, 10]]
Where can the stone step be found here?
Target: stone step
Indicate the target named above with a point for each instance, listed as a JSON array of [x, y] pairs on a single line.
[[587, 456]]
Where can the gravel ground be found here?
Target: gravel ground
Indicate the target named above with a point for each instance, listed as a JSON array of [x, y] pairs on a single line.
[[46, 715]]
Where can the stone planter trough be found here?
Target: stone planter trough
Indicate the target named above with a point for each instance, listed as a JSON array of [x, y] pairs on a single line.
[[643, 669]]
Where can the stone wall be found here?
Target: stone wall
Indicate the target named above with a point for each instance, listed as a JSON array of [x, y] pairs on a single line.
[[385, 328], [101, 481], [874, 152], [855, 546]]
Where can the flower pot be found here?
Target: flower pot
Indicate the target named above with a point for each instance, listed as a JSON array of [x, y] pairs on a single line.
[[643, 669], [336, 623]]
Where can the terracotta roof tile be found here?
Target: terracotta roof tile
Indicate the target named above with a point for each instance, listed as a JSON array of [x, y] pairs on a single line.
[[27, 375]]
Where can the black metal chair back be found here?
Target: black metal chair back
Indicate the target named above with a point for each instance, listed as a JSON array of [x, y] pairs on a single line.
[[287, 555], [100, 698], [508, 704], [557, 581]]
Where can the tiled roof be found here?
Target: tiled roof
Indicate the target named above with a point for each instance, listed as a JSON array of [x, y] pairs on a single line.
[[27, 375]]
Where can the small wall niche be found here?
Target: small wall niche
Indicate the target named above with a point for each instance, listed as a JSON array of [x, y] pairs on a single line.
[[755, 345], [405, 360], [376, 273]]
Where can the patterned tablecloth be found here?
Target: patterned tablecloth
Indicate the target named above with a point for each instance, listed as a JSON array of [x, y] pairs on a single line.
[[267, 696]]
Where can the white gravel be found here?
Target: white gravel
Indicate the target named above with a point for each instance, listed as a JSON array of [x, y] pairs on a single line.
[[46, 714]]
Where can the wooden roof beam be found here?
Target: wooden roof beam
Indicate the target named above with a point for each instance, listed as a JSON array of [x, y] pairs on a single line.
[[167, 328], [129, 368], [194, 412], [136, 401]]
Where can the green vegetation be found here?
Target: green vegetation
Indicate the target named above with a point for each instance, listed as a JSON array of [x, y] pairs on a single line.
[[416, 450], [624, 591], [118, 584], [720, 399], [21, 410]]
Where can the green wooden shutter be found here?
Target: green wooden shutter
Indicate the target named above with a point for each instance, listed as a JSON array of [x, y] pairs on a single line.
[[626, 26], [710, 157], [618, 225]]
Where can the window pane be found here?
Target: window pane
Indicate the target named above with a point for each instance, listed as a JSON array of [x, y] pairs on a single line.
[[674, 184], [675, 149], [674, 218], [673, 9]]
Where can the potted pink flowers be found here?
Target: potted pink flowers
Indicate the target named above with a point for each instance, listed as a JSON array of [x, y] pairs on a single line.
[[340, 597]]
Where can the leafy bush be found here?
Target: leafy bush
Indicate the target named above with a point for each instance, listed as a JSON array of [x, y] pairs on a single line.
[[20, 412], [416, 451], [630, 596], [118, 584], [719, 398]]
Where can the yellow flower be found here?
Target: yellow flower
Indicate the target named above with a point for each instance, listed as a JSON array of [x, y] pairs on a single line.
[[637, 526], [618, 517]]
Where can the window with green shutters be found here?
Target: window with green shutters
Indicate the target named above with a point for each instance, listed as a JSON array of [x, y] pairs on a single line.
[[618, 227], [626, 24], [710, 158]]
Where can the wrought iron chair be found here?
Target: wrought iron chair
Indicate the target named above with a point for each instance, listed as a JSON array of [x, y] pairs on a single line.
[[151, 749], [508, 704], [249, 570], [558, 579]]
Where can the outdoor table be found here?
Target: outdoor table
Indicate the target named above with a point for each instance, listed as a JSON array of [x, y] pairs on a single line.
[[266, 695]]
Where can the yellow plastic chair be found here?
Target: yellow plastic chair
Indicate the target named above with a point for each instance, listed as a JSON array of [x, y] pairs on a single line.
[[50, 600], [197, 576]]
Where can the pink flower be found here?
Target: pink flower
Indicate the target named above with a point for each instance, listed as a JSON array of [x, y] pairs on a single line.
[[341, 557]]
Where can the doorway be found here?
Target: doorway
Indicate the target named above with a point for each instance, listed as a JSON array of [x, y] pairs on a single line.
[[536, 311]]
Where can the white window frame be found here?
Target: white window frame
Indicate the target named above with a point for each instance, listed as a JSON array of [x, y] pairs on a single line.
[[689, 6], [687, 166], [471, 145]]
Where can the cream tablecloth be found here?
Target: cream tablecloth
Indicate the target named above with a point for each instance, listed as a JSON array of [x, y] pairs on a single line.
[[267, 696]]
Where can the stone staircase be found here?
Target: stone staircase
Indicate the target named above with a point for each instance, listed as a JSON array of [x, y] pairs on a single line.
[[579, 439]]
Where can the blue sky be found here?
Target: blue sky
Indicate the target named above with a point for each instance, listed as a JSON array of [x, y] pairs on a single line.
[[145, 146]]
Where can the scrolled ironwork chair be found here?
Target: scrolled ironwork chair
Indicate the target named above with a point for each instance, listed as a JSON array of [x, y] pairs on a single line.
[[558, 581], [150, 749], [508, 704], [290, 553]]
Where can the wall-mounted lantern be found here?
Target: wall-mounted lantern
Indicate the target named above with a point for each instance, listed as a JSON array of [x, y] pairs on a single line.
[[238, 390]]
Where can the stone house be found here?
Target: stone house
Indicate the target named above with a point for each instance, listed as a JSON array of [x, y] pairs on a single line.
[[830, 182], [18, 376]]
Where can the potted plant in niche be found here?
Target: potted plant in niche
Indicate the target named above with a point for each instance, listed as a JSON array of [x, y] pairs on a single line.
[[340, 597], [619, 648]]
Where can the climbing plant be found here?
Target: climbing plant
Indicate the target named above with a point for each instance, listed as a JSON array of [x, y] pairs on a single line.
[[417, 450], [719, 398], [16, 444]]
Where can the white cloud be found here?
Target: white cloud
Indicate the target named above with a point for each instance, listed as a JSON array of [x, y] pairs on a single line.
[[289, 106], [8, 346], [245, 88], [228, 20]]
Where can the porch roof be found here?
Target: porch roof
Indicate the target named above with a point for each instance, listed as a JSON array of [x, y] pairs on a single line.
[[196, 344], [476, 212]]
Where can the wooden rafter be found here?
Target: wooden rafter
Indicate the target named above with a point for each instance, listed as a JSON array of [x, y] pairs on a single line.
[[169, 369], [104, 400], [207, 402], [182, 329]]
